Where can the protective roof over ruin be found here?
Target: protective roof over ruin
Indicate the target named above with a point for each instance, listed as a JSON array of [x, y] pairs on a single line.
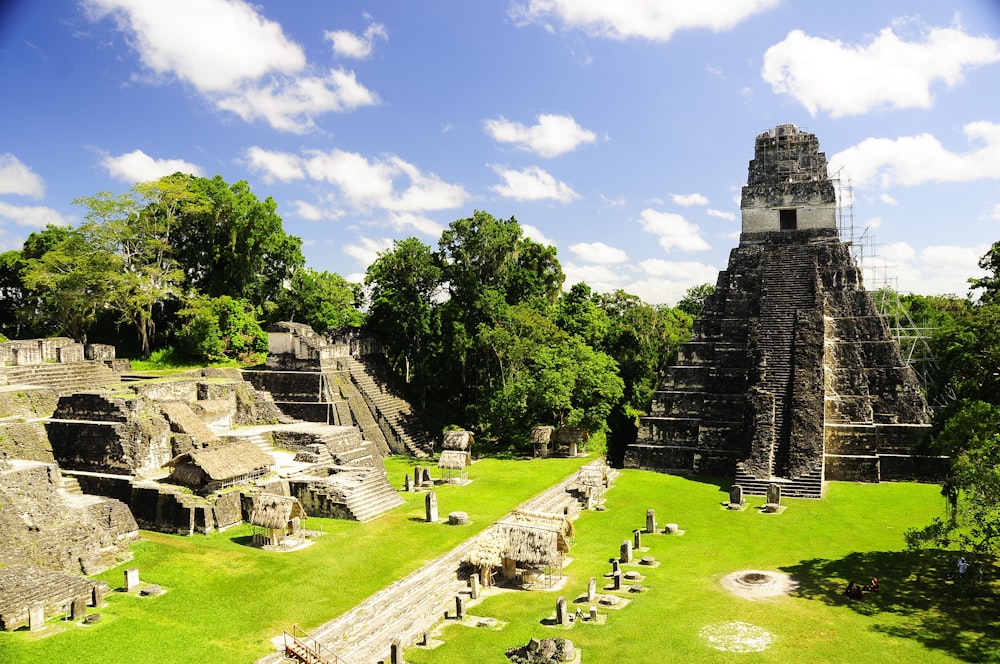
[[225, 462], [274, 512]]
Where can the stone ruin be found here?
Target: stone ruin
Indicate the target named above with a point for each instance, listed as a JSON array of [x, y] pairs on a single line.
[[791, 375], [543, 651], [339, 378]]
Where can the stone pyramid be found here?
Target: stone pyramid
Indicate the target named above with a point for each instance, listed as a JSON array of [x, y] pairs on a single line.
[[790, 376]]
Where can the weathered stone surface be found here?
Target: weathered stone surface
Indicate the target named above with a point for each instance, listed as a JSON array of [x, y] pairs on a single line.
[[789, 362]]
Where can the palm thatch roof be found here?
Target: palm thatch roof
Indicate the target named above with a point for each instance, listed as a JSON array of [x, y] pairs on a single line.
[[274, 512], [454, 460], [487, 550], [457, 440], [223, 462], [541, 435], [535, 538]]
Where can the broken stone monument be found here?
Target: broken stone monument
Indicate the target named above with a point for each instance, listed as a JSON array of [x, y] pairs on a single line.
[[431, 507]]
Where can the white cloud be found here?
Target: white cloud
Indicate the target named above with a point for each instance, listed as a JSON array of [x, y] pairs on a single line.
[[933, 270], [35, 216], [535, 235], [673, 230], [887, 199], [687, 200], [275, 166], [601, 278], [215, 45], [552, 136], [239, 60], [660, 291], [349, 45], [996, 212], [390, 183], [686, 271], [844, 79], [290, 104], [366, 250], [16, 178], [400, 221], [728, 216], [598, 252], [532, 184], [310, 212], [656, 20], [913, 160], [137, 166]]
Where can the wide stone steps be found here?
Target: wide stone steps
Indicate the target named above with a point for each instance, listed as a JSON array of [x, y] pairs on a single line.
[[64, 378], [394, 410], [806, 486]]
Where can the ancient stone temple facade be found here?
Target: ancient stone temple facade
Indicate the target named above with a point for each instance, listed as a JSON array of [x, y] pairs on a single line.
[[790, 376]]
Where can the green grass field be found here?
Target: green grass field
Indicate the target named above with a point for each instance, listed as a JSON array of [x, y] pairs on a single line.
[[225, 600]]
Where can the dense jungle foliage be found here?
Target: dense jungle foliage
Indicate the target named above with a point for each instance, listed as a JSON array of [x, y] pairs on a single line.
[[481, 330]]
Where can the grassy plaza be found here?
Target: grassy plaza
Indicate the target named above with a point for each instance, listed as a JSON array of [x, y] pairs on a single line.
[[225, 600]]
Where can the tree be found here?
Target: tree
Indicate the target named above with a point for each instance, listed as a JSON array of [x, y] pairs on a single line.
[[323, 300], [229, 242], [220, 328], [403, 284], [694, 299]]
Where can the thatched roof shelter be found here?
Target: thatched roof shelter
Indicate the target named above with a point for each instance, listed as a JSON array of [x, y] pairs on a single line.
[[541, 435], [535, 539], [274, 512], [593, 475], [571, 433], [220, 466], [457, 440]]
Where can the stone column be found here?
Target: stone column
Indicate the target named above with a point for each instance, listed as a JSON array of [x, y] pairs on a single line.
[[592, 589], [626, 552], [431, 505], [593, 613], [650, 521], [426, 477], [774, 494], [615, 566], [418, 473], [474, 586], [395, 652], [97, 594], [636, 539], [617, 580], [736, 495], [131, 579], [408, 484], [562, 615], [460, 606]]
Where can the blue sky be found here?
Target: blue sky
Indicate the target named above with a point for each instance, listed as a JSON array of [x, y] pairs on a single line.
[[619, 132]]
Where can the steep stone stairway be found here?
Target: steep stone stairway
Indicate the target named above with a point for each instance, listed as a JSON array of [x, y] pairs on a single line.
[[407, 608], [787, 286], [64, 378], [368, 374]]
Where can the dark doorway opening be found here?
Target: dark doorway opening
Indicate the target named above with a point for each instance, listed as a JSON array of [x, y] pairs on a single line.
[[787, 220]]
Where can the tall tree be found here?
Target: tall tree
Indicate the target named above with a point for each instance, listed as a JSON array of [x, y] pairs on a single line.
[[229, 242], [323, 300]]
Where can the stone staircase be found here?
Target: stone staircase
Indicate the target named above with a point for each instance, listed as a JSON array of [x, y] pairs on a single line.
[[809, 485], [70, 485], [364, 419], [64, 378], [363, 493], [787, 287], [368, 374]]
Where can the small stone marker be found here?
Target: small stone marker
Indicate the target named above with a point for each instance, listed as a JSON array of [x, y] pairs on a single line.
[[637, 539], [650, 521], [460, 607], [617, 581], [647, 560], [78, 609], [426, 477], [615, 566], [408, 483], [418, 473], [593, 612], [562, 615], [395, 652], [474, 586], [91, 618], [36, 617], [633, 575], [626, 552], [774, 493], [671, 528], [431, 505], [97, 595], [152, 590], [735, 496], [457, 518], [591, 589], [131, 579]]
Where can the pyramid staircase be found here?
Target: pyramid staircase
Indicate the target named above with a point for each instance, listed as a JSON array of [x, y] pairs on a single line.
[[368, 373]]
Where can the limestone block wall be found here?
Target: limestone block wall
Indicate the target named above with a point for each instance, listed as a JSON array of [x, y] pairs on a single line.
[[20, 439]]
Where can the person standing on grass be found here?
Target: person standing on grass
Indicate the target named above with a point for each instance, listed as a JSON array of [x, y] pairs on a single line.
[[963, 567]]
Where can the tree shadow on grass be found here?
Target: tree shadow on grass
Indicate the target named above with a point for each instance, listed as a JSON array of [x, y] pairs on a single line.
[[960, 619]]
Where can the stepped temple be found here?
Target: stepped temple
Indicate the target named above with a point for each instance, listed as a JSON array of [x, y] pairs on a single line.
[[791, 375]]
